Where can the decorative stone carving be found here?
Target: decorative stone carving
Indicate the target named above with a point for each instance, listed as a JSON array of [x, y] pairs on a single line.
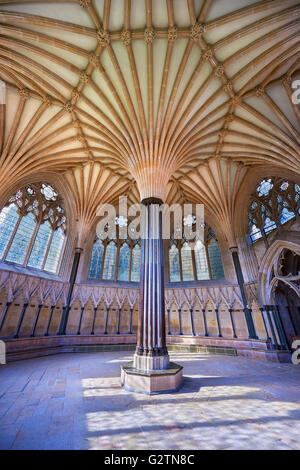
[[228, 87], [219, 71], [84, 77], [69, 107], [286, 80], [236, 100], [126, 37], [85, 3], [24, 93], [196, 31], [103, 37], [172, 34], [259, 91], [149, 35], [47, 100], [208, 53]]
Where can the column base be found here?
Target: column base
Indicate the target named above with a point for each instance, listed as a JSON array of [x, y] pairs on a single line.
[[150, 363], [153, 381]]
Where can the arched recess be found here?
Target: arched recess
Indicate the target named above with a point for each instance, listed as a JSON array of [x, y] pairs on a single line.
[[249, 262], [269, 275], [59, 182]]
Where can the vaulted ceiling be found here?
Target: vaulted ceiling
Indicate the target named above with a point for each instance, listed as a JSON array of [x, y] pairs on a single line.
[[173, 98]]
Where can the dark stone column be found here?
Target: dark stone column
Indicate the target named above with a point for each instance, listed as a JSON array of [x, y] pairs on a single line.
[[179, 320], [8, 304], [119, 321], [106, 320], [130, 321], [151, 352], [265, 323], [240, 278], [94, 320], [36, 319], [50, 319], [192, 322], [66, 310], [80, 319], [204, 322], [280, 328], [232, 323], [270, 321], [169, 324], [21, 320]]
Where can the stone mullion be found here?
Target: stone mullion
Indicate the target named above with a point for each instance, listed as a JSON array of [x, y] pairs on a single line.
[[47, 249], [119, 245], [208, 261], [194, 264], [32, 240], [103, 259], [130, 262]]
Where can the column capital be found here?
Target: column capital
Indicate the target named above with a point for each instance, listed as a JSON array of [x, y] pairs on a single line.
[[151, 200], [233, 249]]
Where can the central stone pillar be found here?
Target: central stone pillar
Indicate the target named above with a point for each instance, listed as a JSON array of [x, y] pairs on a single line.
[[151, 370], [151, 352]]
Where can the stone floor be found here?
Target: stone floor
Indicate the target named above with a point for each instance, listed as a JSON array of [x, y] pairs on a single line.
[[74, 401]]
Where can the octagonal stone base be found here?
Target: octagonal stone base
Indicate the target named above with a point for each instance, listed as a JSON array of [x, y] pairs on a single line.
[[151, 382]]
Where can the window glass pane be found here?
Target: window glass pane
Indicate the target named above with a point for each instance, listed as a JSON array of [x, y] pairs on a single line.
[[215, 259], [110, 261], [124, 261], [8, 220], [187, 263], [40, 246], [136, 264], [201, 262], [174, 264], [96, 260], [55, 249], [20, 244]]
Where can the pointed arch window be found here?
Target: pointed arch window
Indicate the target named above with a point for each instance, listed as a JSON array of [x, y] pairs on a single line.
[[32, 228], [275, 202], [136, 263], [110, 261], [124, 263], [204, 262]]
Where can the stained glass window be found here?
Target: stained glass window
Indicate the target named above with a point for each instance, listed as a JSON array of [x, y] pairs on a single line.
[[96, 260], [8, 220], [274, 202], [174, 264], [187, 263], [136, 264], [110, 261], [207, 256], [40, 246], [215, 259], [32, 228], [201, 261], [124, 263]]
